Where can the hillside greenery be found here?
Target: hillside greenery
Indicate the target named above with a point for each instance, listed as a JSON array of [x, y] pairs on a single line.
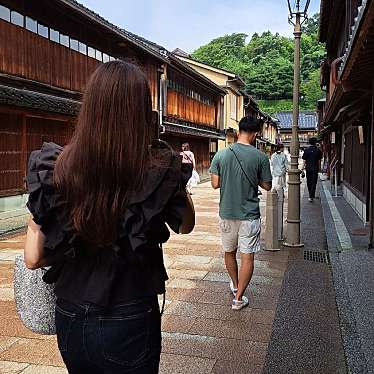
[[266, 64]]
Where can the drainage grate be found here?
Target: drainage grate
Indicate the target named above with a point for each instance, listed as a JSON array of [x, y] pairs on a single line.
[[316, 256]]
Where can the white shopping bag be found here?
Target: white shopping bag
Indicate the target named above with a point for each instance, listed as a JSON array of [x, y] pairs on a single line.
[[195, 179]]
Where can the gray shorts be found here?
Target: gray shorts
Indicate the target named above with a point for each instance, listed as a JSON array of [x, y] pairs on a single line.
[[242, 235]]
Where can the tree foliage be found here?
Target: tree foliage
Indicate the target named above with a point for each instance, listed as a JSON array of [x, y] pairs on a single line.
[[266, 62]]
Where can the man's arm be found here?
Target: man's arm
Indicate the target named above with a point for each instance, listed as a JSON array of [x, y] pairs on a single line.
[[265, 175], [214, 170], [215, 181]]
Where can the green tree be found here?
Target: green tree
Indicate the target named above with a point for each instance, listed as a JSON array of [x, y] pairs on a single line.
[[311, 91], [265, 63]]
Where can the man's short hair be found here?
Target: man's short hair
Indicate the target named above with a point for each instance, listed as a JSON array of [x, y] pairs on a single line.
[[313, 141], [280, 146], [249, 124]]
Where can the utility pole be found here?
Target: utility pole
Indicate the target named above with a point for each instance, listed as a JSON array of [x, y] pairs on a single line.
[[296, 18]]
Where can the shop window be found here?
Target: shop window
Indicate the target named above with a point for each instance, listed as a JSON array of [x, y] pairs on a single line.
[[4, 13], [64, 40], [82, 48], [31, 25], [17, 18], [74, 44], [43, 31], [91, 52], [54, 35]]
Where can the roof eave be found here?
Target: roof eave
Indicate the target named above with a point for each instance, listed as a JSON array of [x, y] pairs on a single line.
[[86, 12]]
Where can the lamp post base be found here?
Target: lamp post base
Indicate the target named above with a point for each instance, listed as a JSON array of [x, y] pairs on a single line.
[[298, 245]]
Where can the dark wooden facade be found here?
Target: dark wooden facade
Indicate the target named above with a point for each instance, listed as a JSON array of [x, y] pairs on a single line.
[[48, 50], [346, 117]]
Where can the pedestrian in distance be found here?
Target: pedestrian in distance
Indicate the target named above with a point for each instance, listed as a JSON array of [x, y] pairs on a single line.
[[188, 165], [100, 207], [312, 162], [279, 167], [238, 171]]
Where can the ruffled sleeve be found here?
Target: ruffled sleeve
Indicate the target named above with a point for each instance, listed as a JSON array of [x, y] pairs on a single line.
[[39, 179], [165, 202]]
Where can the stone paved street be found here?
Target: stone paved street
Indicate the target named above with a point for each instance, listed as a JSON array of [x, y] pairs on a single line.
[[201, 334]]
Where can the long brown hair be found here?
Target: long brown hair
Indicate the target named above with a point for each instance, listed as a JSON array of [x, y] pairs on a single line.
[[108, 153]]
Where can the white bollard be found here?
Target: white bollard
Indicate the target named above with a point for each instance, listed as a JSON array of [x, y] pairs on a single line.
[[272, 222]]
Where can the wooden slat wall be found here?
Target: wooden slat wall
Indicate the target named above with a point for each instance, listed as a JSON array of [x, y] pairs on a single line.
[[184, 107], [31, 56], [150, 70], [19, 136], [189, 109], [11, 173], [40, 130], [356, 162]]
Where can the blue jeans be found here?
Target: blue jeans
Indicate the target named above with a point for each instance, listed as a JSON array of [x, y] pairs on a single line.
[[124, 339]]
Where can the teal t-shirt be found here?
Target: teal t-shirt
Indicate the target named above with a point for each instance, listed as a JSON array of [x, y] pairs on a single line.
[[239, 198]]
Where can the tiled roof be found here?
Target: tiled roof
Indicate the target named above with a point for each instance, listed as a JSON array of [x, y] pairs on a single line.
[[307, 120], [153, 48], [35, 100]]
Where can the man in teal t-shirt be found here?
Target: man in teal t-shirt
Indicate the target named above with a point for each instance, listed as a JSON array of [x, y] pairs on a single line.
[[238, 171]]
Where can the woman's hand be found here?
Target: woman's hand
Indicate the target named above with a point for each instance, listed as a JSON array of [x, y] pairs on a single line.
[[188, 222], [34, 247]]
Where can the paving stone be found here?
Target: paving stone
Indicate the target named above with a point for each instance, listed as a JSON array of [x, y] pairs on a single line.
[[179, 364], [217, 277], [193, 259], [231, 367], [215, 348], [38, 369], [6, 274], [173, 323], [11, 325], [6, 293], [186, 274], [182, 294], [34, 351], [6, 342], [235, 329], [9, 367]]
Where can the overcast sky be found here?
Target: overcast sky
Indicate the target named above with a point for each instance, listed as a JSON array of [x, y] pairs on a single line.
[[189, 24]]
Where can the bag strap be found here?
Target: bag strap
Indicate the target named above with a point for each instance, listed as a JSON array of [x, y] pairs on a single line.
[[187, 156], [241, 167]]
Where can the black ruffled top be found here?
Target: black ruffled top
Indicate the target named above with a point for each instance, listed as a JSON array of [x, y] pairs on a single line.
[[132, 267]]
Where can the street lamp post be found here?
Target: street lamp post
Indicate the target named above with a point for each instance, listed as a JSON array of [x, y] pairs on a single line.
[[297, 16]]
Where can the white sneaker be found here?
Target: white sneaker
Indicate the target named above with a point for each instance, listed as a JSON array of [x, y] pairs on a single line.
[[310, 200], [237, 305], [233, 290]]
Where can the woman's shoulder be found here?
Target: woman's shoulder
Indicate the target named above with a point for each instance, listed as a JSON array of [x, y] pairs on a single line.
[[45, 157], [39, 180]]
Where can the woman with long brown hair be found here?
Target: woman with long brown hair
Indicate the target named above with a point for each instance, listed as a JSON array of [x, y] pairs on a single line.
[[100, 208]]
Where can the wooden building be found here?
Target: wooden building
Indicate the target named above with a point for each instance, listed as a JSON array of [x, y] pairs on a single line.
[[48, 50], [308, 128], [346, 116], [237, 104]]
